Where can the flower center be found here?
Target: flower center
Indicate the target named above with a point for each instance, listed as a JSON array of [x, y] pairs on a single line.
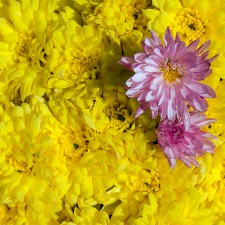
[[174, 134], [82, 65], [19, 165], [147, 181], [81, 69], [73, 145], [170, 75], [190, 24], [120, 118], [22, 49]]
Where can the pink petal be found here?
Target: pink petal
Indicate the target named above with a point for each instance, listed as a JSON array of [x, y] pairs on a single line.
[[193, 161], [160, 51], [141, 109], [156, 38], [146, 48], [139, 76], [140, 57], [203, 47], [177, 38], [179, 50], [172, 162], [171, 112], [192, 47], [197, 102], [150, 96], [151, 61], [154, 85], [168, 38], [186, 119], [213, 58], [201, 89], [127, 62]]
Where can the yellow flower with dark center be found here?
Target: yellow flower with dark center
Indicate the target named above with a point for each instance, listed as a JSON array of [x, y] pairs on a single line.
[[112, 121], [108, 114], [190, 24], [71, 137], [145, 181], [86, 155], [191, 19], [73, 144], [119, 117]]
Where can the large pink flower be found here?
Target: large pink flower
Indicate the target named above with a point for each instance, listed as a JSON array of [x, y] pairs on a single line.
[[177, 143], [167, 77]]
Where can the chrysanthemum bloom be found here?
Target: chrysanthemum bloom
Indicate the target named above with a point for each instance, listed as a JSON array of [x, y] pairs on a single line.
[[177, 143], [108, 15], [26, 47], [167, 77]]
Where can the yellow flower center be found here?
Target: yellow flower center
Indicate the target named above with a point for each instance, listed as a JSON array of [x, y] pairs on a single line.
[[190, 24], [29, 50], [148, 181], [22, 48], [120, 118], [81, 69], [73, 144], [170, 75], [82, 65], [19, 165]]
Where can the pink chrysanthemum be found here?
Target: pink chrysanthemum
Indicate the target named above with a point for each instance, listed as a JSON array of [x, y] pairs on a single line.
[[167, 77], [177, 143]]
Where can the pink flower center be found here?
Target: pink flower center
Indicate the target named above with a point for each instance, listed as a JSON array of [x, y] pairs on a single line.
[[174, 135]]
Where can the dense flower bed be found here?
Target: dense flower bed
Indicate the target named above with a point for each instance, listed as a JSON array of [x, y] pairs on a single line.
[[72, 151]]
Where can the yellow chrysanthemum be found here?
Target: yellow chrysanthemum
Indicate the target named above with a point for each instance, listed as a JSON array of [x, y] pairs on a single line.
[[190, 18], [25, 47], [123, 27], [111, 118], [29, 175], [138, 180], [91, 167], [108, 15], [78, 59], [94, 171]]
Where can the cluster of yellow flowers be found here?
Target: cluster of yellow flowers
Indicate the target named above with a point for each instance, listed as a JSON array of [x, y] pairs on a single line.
[[71, 152]]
